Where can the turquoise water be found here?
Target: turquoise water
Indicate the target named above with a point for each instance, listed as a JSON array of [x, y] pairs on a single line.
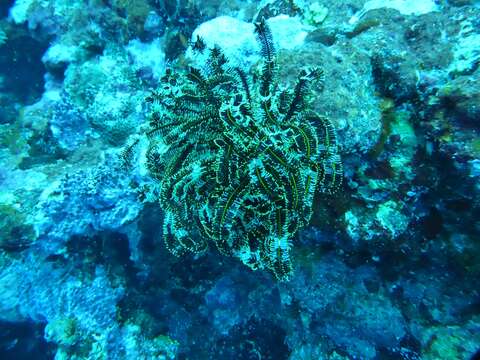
[[239, 179]]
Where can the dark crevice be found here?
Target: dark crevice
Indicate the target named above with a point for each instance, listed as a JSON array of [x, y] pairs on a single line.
[[5, 6], [21, 66], [24, 341]]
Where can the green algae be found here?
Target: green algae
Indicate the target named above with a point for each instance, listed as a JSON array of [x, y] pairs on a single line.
[[12, 138], [62, 331], [387, 108], [15, 233]]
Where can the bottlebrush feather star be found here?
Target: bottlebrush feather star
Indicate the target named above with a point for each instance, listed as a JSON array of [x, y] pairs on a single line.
[[243, 160]]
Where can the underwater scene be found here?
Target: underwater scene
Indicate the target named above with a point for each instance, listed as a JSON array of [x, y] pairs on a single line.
[[239, 179]]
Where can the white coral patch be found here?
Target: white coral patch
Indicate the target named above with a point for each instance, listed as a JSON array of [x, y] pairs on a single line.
[[405, 7]]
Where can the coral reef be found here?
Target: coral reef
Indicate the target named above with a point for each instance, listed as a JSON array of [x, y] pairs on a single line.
[[387, 268]]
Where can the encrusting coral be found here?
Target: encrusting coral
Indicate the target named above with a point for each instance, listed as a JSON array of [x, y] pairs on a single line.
[[238, 159]]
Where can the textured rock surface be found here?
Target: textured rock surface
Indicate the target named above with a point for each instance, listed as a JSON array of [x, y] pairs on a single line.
[[387, 270], [85, 202]]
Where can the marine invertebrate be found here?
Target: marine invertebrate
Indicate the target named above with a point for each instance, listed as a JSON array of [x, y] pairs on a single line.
[[238, 159]]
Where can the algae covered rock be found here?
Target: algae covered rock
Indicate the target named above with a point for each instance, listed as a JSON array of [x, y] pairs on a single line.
[[62, 331], [349, 102], [15, 232], [107, 91], [85, 202], [462, 96]]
